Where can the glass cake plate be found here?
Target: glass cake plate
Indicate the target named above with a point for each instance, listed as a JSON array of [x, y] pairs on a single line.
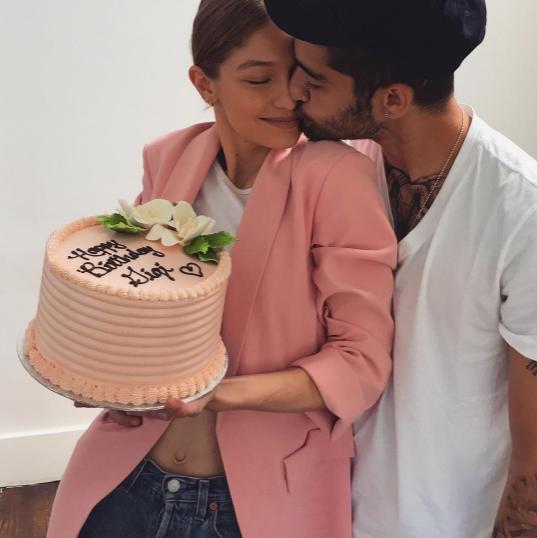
[[25, 361]]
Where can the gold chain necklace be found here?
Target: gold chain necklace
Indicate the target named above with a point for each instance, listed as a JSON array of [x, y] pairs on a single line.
[[440, 177]]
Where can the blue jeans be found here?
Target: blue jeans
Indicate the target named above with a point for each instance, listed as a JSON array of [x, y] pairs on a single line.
[[151, 503]]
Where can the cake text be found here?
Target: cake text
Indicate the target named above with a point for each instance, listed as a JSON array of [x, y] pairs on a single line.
[[114, 260]]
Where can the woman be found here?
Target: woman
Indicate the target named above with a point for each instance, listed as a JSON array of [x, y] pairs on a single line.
[[307, 319]]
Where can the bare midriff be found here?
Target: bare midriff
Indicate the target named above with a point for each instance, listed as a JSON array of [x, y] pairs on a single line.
[[189, 447]]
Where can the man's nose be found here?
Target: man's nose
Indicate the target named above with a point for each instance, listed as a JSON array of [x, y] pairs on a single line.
[[298, 89]]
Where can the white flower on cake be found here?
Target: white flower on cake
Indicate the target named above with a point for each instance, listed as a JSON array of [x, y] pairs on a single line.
[[188, 224], [171, 224], [126, 210], [154, 212], [184, 227]]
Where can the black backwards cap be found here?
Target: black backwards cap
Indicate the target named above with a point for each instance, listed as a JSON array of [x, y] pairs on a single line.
[[421, 38]]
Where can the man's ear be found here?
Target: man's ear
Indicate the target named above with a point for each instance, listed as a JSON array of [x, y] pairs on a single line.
[[203, 84], [394, 101]]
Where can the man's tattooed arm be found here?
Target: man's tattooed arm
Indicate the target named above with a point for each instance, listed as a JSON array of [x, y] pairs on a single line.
[[517, 515]]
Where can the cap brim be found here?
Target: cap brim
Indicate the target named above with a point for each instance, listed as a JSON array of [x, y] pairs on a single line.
[[308, 20]]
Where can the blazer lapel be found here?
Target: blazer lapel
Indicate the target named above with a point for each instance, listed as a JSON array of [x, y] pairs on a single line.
[[250, 254], [192, 168], [256, 232]]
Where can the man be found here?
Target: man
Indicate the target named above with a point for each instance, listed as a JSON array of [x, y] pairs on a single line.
[[450, 451]]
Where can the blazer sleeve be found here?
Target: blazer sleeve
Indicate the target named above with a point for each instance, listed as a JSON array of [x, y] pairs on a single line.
[[147, 184], [354, 255]]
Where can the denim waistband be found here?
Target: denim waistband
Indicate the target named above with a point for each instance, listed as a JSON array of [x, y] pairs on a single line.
[[179, 487]]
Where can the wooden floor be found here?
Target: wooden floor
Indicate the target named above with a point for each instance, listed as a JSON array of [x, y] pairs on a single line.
[[24, 511]]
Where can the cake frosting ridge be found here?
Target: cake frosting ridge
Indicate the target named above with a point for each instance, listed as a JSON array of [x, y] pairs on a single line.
[[125, 320]]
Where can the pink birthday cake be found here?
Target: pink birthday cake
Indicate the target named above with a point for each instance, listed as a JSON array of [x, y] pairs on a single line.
[[124, 319]]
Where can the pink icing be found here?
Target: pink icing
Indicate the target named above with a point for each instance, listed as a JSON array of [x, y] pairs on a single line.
[[127, 394]]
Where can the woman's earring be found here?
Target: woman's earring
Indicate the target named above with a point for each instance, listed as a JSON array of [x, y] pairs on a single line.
[[386, 114]]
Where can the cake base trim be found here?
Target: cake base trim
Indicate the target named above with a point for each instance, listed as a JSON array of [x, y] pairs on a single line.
[[113, 395]]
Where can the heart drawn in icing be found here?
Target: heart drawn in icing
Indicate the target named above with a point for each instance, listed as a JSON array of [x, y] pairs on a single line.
[[191, 269]]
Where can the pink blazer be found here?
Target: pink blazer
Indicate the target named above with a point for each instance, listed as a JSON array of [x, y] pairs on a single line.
[[311, 286]]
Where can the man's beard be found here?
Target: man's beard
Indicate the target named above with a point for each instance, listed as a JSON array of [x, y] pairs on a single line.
[[353, 123]]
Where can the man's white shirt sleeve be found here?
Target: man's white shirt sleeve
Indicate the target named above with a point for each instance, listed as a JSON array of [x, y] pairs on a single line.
[[518, 313]]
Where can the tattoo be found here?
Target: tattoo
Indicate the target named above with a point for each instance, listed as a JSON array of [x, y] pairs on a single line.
[[519, 519], [407, 198], [532, 367]]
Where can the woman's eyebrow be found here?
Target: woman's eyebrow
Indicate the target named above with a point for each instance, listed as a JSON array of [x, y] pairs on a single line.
[[255, 63], [309, 72]]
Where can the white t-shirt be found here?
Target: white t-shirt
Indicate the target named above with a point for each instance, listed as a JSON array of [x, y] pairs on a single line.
[[221, 200], [433, 455]]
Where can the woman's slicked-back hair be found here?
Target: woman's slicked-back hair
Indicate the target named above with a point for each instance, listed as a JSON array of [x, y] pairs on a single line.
[[220, 27]]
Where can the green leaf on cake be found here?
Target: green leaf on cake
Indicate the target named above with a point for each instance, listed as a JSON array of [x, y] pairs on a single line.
[[205, 247], [220, 239], [198, 245], [118, 223], [211, 256]]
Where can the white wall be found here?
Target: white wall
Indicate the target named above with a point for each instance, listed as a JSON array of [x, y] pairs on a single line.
[[500, 77], [82, 86]]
